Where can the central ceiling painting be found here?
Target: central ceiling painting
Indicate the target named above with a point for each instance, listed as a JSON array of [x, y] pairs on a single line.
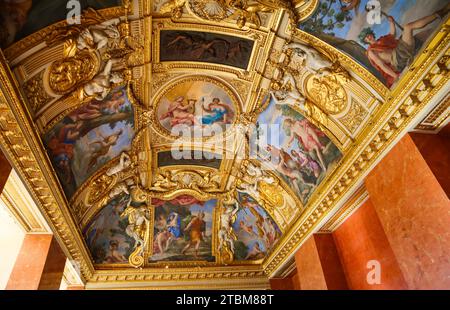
[[196, 101]]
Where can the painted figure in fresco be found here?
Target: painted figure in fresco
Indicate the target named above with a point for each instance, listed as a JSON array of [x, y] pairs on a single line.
[[196, 228], [198, 48], [390, 55], [195, 47], [290, 168], [179, 113], [220, 112], [351, 4], [307, 137], [306, 162], [103, 146], [248, 202], [255, 252], [173, 228], [270, 232], [160, 243], [95, 109], [246, 228], [61, 147], [114, 255]]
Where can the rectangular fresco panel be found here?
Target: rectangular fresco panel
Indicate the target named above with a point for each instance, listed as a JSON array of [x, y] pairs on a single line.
[[183, 230], [205, 47], [106, 235], [199, 159], [256, 232], [20, 18], [386, 46], [300, 153], [89, 137]]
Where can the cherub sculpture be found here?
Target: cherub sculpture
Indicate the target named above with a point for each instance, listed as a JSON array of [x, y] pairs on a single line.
[[124, 163], [138, 221], [100, 86]]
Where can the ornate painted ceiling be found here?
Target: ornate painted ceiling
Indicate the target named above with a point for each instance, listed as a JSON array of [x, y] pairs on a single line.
[[199, 142]]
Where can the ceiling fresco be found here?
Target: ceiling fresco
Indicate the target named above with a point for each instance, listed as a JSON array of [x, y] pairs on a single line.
[[173, 140], [205, 47], [384, 36], [301, 154], [90, 136]]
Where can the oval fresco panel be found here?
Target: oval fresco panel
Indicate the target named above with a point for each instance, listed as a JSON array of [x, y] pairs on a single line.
[[199, 103]]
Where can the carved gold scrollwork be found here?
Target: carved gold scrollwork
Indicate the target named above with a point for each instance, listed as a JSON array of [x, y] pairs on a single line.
[[168, 180], [67, 74], [209, 9], [35, 92], [218, 10], [328, 91], [260, 185], [99, 187]]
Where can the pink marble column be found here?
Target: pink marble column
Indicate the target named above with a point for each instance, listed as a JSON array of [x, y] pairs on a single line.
[[291, 282], [361, 239], [435, 149], [39, 265], [414, 211], [318, 264]]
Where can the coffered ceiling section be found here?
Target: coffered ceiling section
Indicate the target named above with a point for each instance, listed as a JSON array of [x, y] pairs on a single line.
[[198, 133]]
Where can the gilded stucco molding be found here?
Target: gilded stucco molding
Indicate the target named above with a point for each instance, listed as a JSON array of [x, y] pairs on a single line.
[[25, 151], [344, 212], [437, 118]]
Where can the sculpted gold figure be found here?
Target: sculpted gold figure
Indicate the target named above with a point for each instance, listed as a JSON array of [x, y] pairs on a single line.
[[174, 7], [138, 226], [226, 234]]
